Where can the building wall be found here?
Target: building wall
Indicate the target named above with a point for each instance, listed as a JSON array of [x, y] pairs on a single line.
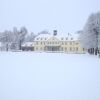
[[72, 46]]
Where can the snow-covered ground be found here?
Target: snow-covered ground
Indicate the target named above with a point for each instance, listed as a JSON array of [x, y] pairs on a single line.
[[49, 76]]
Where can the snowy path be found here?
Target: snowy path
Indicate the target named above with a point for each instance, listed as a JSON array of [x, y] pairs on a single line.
[[47, 76]]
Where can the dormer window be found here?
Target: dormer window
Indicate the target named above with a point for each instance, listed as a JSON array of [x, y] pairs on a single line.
[[71, 38], [66, 38], [62, 38]]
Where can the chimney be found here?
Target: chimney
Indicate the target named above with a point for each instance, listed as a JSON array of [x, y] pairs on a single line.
[[55, 32]]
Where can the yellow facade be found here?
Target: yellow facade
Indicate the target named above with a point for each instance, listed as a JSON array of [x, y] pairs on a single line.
[[47, 43]]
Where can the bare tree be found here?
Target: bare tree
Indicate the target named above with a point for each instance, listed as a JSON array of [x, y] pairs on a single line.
[[22, 33]]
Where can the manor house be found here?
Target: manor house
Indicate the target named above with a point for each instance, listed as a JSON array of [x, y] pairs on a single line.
[[54, 43]]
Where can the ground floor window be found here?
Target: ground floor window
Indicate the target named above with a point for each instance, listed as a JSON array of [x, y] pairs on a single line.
[[70, 48], [76, 48], [66, 48], [36, 48]]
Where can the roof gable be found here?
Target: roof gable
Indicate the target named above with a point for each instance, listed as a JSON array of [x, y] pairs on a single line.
[[53, 38]]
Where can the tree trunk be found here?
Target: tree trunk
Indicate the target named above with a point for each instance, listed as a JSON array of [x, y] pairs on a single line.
[[6, 47], [20, 43], [96, 51], [89, 51], [93, 50]]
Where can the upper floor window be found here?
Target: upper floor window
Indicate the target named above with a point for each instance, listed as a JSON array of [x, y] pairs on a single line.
[[62, 43], [70, 43], [37, 43], [55, 42], [65, 43], [77, 43]]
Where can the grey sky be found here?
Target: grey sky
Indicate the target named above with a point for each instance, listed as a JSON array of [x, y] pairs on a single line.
[[37, 15]]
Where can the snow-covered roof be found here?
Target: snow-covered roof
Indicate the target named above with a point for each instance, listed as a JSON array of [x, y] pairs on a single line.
[[28, 44], [43, 37], [67, 37]]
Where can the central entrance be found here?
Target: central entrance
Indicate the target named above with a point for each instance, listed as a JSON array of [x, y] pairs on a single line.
[[52, 48]]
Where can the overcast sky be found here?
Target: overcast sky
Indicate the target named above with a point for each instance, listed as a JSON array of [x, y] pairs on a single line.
[[37, 15]]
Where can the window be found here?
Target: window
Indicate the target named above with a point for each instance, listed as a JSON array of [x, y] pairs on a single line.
[[36, 48], [62, 48], [70, 48], [41, 48], [37, 43], [71, 38], [62, 38], [76, 48], [66, 38], [65, 43], [66, 48], [70, 43], [76, 43]]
